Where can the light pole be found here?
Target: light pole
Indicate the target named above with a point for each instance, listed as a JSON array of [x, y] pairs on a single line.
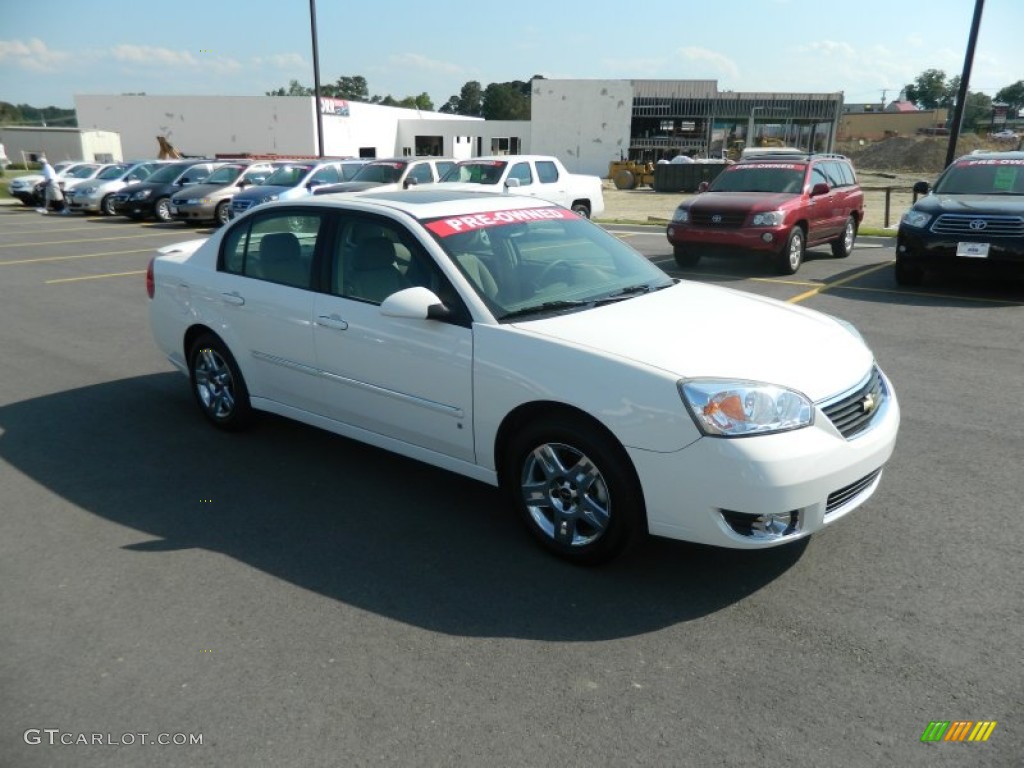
[[750, 126], [316, 81]]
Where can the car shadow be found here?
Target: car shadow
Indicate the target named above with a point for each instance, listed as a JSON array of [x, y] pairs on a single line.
[[350, 522]]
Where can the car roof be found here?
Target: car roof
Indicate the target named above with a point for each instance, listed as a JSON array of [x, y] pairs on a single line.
[[504, 158], [420, 203]]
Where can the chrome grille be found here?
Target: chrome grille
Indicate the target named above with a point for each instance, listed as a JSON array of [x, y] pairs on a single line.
[[717, 219], [844, 496], [852, 413], [981, 225]]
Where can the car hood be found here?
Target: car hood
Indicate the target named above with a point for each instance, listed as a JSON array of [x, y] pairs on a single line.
[[157, 187], [741, 201], [970, 204], [261, 191], [360, 186], [693, 330], [206, 190], [27, 181]]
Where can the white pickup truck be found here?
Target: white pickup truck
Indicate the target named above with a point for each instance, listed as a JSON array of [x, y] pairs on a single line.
[[540, 176]]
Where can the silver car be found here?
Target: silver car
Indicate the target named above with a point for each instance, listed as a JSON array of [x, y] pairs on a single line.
[[97, 195]]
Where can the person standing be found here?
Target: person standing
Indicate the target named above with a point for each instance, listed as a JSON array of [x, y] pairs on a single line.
[[52, 195]]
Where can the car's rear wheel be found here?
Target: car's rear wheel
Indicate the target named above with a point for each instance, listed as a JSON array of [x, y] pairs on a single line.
[[575, 489], [107, 206], [222, 213], [217, 384], [792, 256], [908, 274], [581, 209], [162, 210], [685, 258], [843, 246]]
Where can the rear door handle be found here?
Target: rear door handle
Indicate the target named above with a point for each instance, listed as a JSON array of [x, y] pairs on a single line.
[[234, 297], [332, 321]]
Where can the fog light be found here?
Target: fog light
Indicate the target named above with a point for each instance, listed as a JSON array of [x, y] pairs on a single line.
[[767, 237], [763, 527]]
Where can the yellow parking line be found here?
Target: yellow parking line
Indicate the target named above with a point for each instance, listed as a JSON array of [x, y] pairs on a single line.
[[77, 256], [95, 277], [825, 286], [89, 240]]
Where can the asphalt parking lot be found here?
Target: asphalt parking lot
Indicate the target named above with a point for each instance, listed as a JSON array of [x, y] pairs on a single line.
[[294, 598]]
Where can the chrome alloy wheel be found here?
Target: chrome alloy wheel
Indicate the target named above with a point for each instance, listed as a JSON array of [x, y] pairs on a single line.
[[565, 494], [214, 384]]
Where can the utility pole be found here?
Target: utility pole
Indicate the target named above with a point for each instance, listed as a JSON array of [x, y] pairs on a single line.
[[316, 81], [965, 77]]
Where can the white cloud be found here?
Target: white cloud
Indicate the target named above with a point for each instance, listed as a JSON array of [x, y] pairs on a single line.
[[148, 55], [33, 55], [416, 61], [715, 62]]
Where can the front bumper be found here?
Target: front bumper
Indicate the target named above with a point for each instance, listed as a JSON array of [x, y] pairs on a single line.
[[930, 251], [193, 211], [139, 209], [760, 239], [814, 472], [85, 203]]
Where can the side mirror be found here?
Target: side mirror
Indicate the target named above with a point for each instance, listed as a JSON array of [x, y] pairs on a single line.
[[702, 187], [410, 182], [511, 183], [243, 183], [921, 188], [821, 188], [417, 303]]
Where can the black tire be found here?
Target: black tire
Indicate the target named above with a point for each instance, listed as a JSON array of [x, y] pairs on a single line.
[[581, 209], [588, 506], [792, 256], [625, 180], [685, 258], [908, 274], [222, 213], [217, 384], [162, 210], [842, 246], [107, 206]]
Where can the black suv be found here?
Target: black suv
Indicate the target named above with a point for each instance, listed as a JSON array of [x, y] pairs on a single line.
[[972, 218]]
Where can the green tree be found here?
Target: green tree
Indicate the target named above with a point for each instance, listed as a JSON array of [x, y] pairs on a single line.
[[295, 88], [929, 90], [468, 102], [1012, 95], [506, 101], [351, 88]]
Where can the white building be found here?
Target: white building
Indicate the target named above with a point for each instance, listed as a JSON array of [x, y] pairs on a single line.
[[23, 142]]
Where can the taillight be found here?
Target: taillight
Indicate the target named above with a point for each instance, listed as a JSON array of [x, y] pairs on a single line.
[[150, 282]]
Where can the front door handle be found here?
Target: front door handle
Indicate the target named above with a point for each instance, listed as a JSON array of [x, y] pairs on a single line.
[[234, 297], [332, 321]]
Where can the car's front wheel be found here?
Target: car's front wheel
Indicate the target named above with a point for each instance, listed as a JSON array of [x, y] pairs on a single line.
[[217, 384], [581, 209], [222, 214], [162, 210], [685, 258], [107, 206], [792, 256], [575, 489], [843, 246]]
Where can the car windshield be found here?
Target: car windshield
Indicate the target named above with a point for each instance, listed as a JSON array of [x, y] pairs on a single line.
[[532, 262], [81, 172], [288, 176], [113, 172], [477, 173], [350, 170], [983, 177], [384, 173], [760, 177], [226, 174], [167, 174]]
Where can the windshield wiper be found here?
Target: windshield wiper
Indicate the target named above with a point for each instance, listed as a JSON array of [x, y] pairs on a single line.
[[547, 306], [629, 291]]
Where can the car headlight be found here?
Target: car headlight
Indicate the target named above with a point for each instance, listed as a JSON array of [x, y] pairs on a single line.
[[681, 216], [142, 194], [768, 219], [730, 408], [916, 219]]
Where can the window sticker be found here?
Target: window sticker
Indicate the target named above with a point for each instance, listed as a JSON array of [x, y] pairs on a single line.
[[470, 222], [1005, 177]]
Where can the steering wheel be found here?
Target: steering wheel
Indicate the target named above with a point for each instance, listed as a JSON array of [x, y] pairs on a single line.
[[542, 277]]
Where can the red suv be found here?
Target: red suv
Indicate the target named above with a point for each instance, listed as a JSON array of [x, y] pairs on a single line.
[[778, 205]]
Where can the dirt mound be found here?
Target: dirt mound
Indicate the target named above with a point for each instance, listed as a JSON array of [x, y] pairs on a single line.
[[924, 154]]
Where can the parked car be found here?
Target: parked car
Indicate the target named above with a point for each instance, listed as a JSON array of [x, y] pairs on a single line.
[[531, 175], [393, 173], [97, 195], [211, 200], [1004, 135], [972, 219], [773, 204], [151, 197], [23, 188], [512, 341], [294, 180]]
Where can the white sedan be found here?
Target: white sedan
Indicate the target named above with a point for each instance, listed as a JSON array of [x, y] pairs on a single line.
[[511, 341]]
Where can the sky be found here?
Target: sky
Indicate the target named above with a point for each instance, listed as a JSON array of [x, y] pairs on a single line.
[[868, 49]]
